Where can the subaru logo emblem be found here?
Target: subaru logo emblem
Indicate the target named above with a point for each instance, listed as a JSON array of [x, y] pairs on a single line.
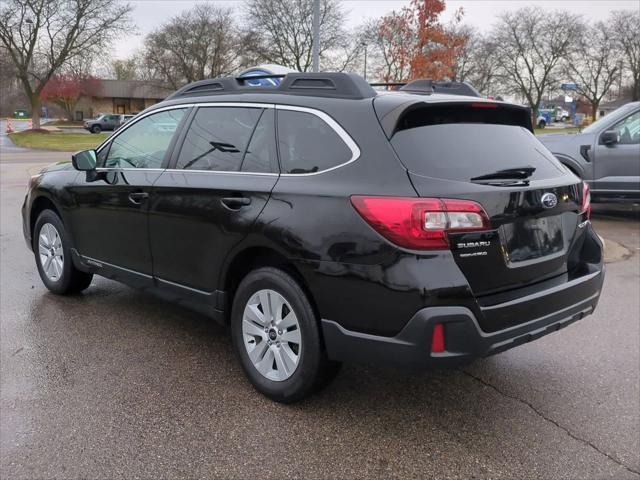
[[549, 200]]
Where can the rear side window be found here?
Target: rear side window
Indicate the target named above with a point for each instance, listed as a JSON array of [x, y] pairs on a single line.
[[459, 148], [308, 144], [217, 138]]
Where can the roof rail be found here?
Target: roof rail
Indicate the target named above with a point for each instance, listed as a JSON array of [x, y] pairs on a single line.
[[428, 86], [331, 85]]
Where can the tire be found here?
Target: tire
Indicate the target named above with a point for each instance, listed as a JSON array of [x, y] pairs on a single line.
[[573, 171], [59, 275], [286, 383], [96, 129], [542, 124]]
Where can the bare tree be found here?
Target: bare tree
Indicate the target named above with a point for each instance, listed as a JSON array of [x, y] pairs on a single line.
[[529, 46], [386, 58], [476, 61], [464, 62], [42, 35], [197, 44], [10, 93], [594, 65], [626, 33], [347, 56], [284, 29]]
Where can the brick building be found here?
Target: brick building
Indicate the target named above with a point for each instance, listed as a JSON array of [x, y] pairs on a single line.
[[119, 96]]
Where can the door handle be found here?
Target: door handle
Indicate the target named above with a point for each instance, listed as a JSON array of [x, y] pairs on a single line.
[[235, 203], [138, 197]]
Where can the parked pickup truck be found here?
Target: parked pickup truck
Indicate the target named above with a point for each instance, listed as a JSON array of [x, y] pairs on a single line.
[[106, 122], [606, 154]]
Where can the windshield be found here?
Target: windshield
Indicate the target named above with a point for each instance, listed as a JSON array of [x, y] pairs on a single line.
[[100, 116], [620, 112]]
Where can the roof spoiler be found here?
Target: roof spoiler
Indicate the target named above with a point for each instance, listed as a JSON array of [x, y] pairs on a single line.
[[331, 85], [425, 86], [391, 113]]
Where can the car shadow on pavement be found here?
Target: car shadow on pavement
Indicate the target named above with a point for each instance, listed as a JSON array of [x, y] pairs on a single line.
[[134, 334]]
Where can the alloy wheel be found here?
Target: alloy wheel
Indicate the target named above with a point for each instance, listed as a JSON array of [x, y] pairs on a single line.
[[50, 251], [271, 335]]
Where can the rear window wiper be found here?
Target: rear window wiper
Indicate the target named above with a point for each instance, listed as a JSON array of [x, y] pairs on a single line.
[[517, 173]]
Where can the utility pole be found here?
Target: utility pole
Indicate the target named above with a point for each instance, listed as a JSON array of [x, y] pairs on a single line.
[[316, 35]]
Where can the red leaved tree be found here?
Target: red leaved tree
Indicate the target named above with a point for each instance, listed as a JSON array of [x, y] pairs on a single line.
[[65, 90], [415, 44]]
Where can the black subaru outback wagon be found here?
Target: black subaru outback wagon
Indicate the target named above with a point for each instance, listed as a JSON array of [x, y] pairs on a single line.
[[326, 221]]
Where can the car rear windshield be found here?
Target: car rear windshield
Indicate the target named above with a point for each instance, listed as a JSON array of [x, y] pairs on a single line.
[[459, 148]]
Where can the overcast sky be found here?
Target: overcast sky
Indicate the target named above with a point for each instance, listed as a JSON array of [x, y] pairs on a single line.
[[149, 14]]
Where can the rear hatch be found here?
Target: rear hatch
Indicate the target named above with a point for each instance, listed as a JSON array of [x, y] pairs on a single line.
[[486, 152]]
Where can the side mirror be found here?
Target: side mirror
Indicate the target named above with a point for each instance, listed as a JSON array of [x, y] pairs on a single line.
[[85, 161], [610, 137]]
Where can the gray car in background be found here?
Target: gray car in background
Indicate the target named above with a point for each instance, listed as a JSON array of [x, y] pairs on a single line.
[[606, 154], [106, 121]]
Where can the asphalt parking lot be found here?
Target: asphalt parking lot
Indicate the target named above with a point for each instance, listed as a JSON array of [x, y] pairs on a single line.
[[115, 383]]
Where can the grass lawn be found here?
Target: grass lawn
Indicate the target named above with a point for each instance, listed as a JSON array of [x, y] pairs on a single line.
[[59, 141], [542, 131], [64, 124]]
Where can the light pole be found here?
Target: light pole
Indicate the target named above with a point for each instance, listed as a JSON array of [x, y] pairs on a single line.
[[365, 59], [29, 22], [316, 36]]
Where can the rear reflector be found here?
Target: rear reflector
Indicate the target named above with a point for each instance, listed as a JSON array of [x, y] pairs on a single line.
[[437, 338], [420, 223], [586, 201]]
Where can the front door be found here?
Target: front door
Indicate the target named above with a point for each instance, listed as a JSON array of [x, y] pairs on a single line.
[[617, 166], [202, 207], [109, 222]]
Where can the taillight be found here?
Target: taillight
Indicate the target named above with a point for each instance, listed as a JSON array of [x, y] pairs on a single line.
[[586, 201], [420, 223]]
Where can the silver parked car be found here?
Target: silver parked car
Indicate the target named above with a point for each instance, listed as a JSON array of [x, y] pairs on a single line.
[[109, 121], [606, 154]]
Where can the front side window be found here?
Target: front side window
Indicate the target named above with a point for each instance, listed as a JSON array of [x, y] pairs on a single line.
[[217, 139], [308, 144], [145, 143], [629, 129], [604, 119]]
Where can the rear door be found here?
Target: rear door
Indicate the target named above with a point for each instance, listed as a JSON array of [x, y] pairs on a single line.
[[220, 179], [617, 166], [448, 148]]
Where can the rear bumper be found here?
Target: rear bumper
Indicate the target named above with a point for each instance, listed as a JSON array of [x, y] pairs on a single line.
[[464, 339]]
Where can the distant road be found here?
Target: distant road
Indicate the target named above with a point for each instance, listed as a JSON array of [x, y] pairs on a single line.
[[9, 153]]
